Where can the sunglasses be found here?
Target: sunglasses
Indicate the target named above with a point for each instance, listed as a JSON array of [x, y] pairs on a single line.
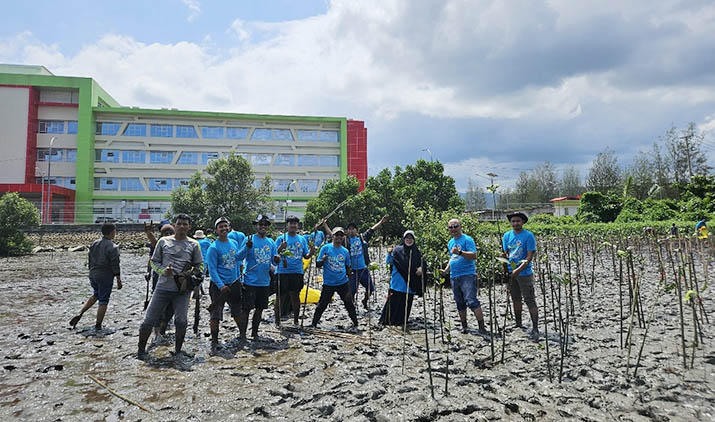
[[456, 226]]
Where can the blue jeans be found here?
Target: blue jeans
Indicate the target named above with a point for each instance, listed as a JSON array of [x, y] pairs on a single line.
[[363, 276], [464, 288]]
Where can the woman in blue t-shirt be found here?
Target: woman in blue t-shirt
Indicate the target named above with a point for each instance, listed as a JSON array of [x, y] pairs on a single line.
[[407, 267]]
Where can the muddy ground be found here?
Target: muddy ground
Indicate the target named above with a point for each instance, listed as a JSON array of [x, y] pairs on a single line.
[[333, 375]]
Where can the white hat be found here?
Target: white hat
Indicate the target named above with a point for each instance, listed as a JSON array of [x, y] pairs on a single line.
[[199, 234], [409, 232]]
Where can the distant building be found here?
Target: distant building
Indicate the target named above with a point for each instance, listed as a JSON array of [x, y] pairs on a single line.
[[122, 162], [566, 205]]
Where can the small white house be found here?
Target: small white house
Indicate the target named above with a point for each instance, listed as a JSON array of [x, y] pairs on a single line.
[[566, 205]]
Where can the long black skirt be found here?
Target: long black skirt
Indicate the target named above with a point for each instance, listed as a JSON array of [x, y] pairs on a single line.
[[393, 313]]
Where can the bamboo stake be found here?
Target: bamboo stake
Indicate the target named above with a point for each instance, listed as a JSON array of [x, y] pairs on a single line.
[[114, 393], [424, 313]]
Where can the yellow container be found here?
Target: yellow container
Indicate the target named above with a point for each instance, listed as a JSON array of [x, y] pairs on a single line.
[[313, 295]]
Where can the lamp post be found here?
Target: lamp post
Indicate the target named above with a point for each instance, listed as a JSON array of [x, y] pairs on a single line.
[[48, 213], [285, 211], [429, 152], [42, 193], [494, 192]]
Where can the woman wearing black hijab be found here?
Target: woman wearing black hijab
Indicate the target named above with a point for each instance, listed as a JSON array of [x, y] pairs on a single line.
[[406, 262]]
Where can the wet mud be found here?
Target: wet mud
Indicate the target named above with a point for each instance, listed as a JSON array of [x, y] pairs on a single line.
[[330, 373]]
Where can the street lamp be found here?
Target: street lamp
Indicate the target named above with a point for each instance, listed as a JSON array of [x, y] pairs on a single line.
[[285, 211], [494, 192], [430, 154], [48, 213], [42, 192]]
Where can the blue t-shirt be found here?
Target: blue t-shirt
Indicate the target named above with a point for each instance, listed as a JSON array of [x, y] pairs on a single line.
[[239, 237], [356, 255], [223, 262], [258, 261], [334, 267], [517, 246], [397, 282], [298, 246], [459, 265], [318, 238], [204, 243]]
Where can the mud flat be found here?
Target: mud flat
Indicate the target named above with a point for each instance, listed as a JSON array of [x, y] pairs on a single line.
[[331, 374]]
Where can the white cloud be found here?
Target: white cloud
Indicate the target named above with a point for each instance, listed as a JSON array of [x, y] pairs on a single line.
[[238, 28], [194, 9]]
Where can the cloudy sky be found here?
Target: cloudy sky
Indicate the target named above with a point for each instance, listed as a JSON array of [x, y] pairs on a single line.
[[485, 86]]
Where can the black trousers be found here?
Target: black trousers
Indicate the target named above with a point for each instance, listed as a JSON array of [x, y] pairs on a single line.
[[393, 313], [326, 295]]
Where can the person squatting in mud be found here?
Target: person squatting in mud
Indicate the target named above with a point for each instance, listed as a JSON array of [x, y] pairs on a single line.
[[462, 271], [103, 268], [172, 256], [334, 259], [260, 252], [290, 269], [406, 264], [225, 286], [519, 247], [166, 230]]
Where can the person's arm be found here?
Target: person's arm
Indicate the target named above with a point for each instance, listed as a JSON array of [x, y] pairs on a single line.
[[470, 251], [113, 255], [197, 260], [150, 233], [325, 224], [212, 262], [379, 223], [158, 258], [322, 256], [310, 249], [348, 265], [274, 253]]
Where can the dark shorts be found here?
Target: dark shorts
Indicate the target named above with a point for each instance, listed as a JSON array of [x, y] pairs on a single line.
[[102, 289], [523, 288], [362, 276], [255, 297], [233, 300], [291, 282]]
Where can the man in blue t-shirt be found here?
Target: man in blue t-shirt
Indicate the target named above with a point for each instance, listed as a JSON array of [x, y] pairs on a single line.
[[335, 261], [463, 274], [317, 237], [259, 251], [519, 247], [290, 269], [222, 261]]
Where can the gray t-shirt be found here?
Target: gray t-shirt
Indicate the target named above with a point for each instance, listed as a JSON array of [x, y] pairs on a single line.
[[177, 253], [103, 259]]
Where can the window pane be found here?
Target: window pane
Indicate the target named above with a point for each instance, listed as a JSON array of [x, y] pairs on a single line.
[[186, 131], [107, 128], [329, 136], [71, 155], [72, 127], [261, 134], [135, 129], [162, 131], [131, 184], [107, 155], [328, 160], [161, 157], [308, 160], [188, 157], [307, 135], [107, 183], [282, 134], [43, 154], [308, 185], [283, 185], [236, 132], [51, 126], [184, 183], [134, 156], [159, 184], [285, 160], [206, 156], [261, 159], [212, 132]]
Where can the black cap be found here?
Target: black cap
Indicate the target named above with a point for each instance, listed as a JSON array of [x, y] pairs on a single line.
[[352, 225], [261, 217], [523, 216], [292, 219]]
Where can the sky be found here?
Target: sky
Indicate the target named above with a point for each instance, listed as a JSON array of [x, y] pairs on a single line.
[[482, 86]]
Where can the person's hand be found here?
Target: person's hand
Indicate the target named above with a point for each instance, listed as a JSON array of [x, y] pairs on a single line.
[[384, 218], [119, 283], [147, 227], [456, 250], [147, 276], [443, 272], [225, 289], [283, 246], [419, 272], [169, 271]]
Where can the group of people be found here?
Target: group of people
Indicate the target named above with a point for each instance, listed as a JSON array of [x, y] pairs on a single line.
[[240, 269]]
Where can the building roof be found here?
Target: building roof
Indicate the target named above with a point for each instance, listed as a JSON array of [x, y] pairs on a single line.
[[566, 198], [24, 69]]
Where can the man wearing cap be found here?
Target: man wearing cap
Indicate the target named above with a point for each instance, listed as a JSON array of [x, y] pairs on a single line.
[[259, 251], [222, 261], [463, 274], [335, 261], [290, 269], [519, 246]]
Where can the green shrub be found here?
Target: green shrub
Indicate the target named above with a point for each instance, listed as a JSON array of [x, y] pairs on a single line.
[[16, 213]]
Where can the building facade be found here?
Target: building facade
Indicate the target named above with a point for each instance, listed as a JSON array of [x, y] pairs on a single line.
[[73, 150]]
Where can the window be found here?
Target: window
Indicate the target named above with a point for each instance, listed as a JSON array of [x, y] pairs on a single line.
[[308, 160], [51, 126], [71, 155], [159, 184], [106, 155], [308, 135], [188, 157], [282, 135], [72, 126], [73, 183], [135, 129], [329, 136], [206, 156], [236, 132], [108, 128], [328, 161], [186, 131], [285, 160], [162, 131], [308, 185], [131, 184], [43, 154], [212, 132], [100, 210], [133, 156], [161, 157], [261, 134], [105, 183], [261, 159], [283, 185], [183, 183]]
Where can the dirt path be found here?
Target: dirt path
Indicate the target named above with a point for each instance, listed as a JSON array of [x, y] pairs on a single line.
[[292, 376]]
